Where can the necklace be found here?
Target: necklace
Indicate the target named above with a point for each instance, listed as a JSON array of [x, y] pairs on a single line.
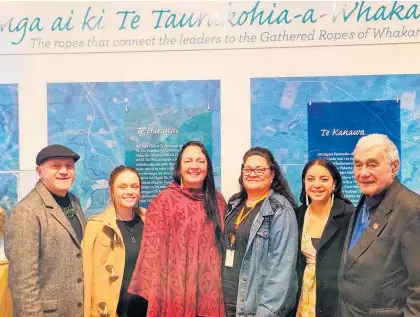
[[69, 211], [130, 230]]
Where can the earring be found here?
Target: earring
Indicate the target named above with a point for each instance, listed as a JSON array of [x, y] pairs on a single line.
[[332, 199], [182, 185], [307, 199]]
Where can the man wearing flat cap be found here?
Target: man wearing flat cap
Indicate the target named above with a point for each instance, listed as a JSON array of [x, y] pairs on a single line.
[[42, 241]]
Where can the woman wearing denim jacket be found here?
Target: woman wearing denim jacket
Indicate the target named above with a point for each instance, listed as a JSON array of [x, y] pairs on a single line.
[[261, 238]]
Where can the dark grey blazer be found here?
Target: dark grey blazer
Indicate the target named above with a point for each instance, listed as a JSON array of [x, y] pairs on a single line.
[[45, 258], [380, 276]]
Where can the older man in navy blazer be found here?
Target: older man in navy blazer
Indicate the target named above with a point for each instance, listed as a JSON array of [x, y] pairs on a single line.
[[380, 268]]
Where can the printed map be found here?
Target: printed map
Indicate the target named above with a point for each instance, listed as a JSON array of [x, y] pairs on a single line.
[[98, 121]]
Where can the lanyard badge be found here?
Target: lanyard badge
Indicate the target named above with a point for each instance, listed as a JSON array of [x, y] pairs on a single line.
[[230, 248]]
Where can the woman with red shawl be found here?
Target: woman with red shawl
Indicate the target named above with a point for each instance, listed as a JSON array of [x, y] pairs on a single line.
[[179, 267]]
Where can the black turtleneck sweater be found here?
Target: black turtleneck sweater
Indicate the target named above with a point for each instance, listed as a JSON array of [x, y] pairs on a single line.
[[75, 223]]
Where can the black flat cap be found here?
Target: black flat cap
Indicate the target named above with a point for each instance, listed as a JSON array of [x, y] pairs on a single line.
[[55, 150]]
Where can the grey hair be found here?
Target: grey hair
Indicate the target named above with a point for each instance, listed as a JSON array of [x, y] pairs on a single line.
[[383, 142]]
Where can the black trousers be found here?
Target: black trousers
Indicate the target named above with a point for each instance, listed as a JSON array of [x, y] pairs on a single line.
[[131, 305]]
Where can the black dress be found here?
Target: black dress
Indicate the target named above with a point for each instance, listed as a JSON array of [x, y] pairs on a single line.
[[230, 275], [130, 305]]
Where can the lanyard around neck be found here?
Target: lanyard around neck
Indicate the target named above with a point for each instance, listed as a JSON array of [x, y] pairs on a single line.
[[241, 217]]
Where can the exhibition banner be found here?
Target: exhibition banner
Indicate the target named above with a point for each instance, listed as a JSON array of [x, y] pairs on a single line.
[[95, 27], [130, 82], [140, 124], [335, 127], [304, 118]]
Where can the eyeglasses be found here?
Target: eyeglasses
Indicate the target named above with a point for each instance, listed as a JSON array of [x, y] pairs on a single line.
[[259, 171]]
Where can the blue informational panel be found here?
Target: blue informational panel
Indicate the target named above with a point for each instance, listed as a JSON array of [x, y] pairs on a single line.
[[8, 191], [283, 121], [153, 145], [9, 145], [335, 127], [140, 124]]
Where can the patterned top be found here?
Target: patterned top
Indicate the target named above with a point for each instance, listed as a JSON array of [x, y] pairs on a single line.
[[307, 301], [179, 267]]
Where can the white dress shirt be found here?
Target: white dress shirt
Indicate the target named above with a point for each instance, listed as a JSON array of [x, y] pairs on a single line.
[[2, 255]]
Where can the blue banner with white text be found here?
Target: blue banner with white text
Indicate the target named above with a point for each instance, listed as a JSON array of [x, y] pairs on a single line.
[[335, 127]]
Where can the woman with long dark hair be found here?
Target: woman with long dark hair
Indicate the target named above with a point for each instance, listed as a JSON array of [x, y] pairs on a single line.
[[323, 220], [179, 268], [261, 237]]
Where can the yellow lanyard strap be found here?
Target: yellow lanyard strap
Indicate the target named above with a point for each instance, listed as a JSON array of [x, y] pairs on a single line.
[[241, 217]]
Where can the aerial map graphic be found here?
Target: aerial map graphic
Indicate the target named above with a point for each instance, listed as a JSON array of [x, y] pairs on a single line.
[[9, 145], [141, 124], [279, 112]]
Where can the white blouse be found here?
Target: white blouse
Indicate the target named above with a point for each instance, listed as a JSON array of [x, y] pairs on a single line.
[[2, 255]]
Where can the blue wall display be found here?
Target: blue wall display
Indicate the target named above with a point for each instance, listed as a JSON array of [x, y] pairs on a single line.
[[335, 127], [140, 124], [289, 114]]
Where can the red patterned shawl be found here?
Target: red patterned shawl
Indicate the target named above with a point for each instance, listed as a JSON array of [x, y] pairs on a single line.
[[179, 267]]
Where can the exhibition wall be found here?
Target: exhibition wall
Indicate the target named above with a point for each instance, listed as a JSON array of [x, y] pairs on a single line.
[[130, 82]]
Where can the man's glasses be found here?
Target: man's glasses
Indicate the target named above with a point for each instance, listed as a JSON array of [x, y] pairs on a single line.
[[259, 171]]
